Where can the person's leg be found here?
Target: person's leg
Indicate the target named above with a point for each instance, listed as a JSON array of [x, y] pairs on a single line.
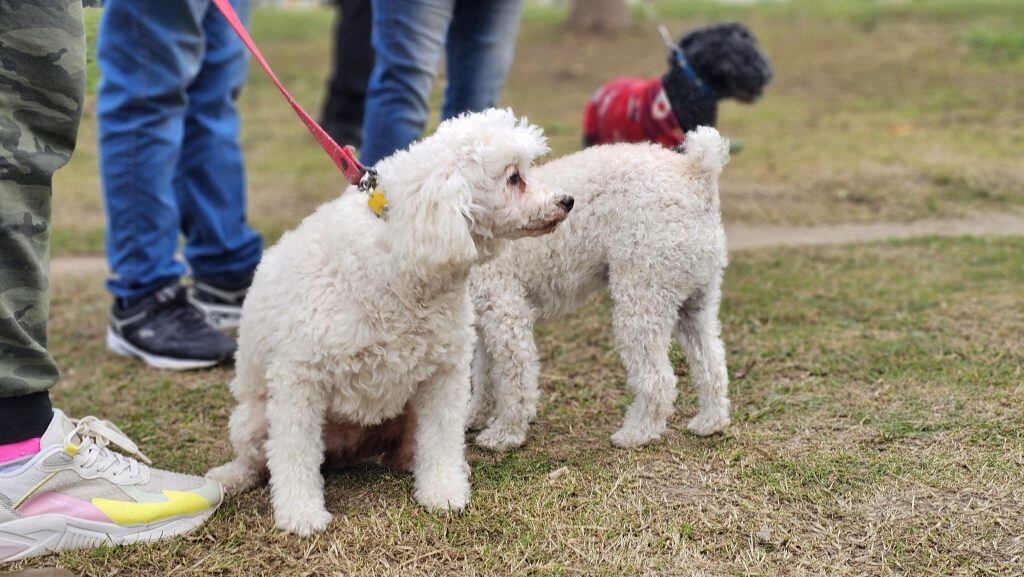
[[42, 509], [42, 82], [148, 52], [220, 246], [481, 45], [352, 65], [408, 37]]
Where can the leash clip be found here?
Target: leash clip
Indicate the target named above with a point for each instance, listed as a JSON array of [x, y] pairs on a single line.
[[369, 180]]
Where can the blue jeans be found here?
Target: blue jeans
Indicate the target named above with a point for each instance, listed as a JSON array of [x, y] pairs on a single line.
[[478, 38], [170, 156]]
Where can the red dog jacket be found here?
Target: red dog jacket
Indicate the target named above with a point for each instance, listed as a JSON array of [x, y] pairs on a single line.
[[631, 110]]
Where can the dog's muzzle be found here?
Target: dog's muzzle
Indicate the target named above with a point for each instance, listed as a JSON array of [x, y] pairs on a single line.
[[564, 204]]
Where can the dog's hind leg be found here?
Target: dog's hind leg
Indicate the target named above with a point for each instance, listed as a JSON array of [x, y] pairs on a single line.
[[643, 319], [248, 431], [698, 332], [514, 371], [481, 404]]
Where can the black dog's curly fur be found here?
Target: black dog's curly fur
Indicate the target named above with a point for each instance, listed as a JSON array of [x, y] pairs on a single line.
[[724, 56]]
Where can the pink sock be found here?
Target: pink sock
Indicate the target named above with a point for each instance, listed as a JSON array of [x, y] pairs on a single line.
[[13, 451]]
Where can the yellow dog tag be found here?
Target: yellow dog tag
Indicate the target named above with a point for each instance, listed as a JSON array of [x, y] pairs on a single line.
[[377, 202]]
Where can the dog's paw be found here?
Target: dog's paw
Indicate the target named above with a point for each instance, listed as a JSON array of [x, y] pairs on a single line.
[[630, 436], [709, 422], [501, 437], [302, 522], [234, 477], [444, 492]]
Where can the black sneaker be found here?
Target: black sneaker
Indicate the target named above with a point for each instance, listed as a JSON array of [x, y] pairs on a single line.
[[223, 307], [167, 332]]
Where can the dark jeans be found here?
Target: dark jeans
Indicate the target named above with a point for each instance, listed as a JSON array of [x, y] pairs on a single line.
[[352, 65]]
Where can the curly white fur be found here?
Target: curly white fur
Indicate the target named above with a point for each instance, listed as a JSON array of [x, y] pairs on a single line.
[[648, 228], [353, 320]]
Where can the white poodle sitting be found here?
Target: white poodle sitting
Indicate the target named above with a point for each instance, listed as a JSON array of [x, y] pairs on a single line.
[[648, 228], [356, 336]]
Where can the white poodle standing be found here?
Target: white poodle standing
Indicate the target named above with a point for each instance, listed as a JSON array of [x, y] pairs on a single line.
[[357, 327], [648, 228]]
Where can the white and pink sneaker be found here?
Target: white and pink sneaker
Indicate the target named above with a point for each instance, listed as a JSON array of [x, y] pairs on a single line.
[[77, 493]]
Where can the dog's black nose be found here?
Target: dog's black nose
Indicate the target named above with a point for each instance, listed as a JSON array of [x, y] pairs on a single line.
[[566, 203]]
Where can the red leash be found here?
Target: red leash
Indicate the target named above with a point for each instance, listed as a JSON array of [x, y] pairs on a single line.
[[353, 170]]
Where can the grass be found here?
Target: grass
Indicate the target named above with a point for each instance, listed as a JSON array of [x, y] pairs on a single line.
[[878, 430], [878, 389], [996, 44], [879, 111]]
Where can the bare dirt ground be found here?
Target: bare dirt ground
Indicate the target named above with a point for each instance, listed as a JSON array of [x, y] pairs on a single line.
[[748, 237]]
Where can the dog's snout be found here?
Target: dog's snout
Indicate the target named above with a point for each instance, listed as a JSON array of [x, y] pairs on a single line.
[[566, 203]]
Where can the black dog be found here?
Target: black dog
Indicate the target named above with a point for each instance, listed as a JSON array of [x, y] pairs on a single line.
[[710, 64]]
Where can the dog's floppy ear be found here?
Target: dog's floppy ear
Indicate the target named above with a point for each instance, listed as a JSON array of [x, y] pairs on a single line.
[[432, 224]]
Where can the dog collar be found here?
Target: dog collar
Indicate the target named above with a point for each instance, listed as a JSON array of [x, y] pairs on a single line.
[[679, 60]]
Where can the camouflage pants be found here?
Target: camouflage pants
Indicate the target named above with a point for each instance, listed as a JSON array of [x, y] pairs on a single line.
[[42, 81]]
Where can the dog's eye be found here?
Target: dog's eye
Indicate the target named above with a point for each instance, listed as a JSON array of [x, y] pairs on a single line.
[[514, 179]]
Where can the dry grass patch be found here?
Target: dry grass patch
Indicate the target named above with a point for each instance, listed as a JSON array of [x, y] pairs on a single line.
[[878, 415]]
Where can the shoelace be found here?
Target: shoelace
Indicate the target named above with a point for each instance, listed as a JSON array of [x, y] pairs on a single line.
[[95, 435]]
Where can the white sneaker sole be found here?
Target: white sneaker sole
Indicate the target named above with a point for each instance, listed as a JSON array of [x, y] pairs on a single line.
[[119, 346], [222, 317], [45, 534]]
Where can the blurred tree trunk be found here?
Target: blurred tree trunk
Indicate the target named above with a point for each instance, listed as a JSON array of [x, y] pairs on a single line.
[[598, 15]]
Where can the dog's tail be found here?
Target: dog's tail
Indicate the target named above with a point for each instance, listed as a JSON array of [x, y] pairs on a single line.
[[707, 151]]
